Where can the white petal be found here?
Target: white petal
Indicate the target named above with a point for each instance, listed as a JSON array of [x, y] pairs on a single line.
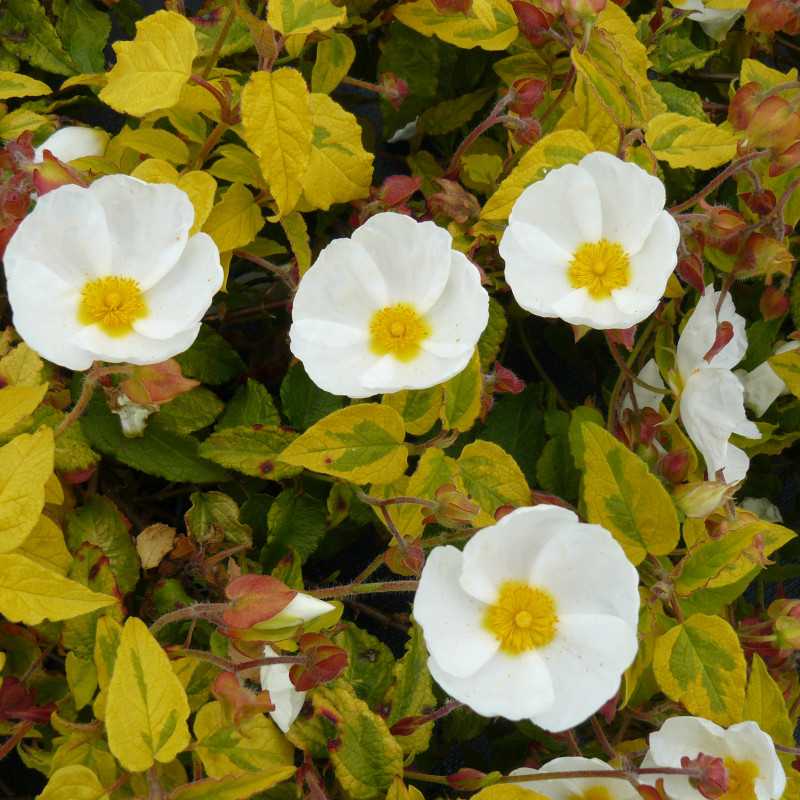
[[565, 206], [508, 550], [601, 581], [578, 308], [46, 315], [536, 268], [514, 687], [287, 700], [133, 348], [413, 257], [149, 225], [181, 298], [649, 373], [461, 313], [451, 620], [67, 233], [569, 789], [736, 464], [747, 742], [716, 22], [631, 199], [762, 387], [586, 661], [426, 369], [302, 608], [700, 331], [72, 142]]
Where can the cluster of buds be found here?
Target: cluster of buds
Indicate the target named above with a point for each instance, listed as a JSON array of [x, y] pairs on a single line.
[[392, 195], [454, 202], [393, 89], [773, 16], [712, 781], [454, 509], [536, 21]]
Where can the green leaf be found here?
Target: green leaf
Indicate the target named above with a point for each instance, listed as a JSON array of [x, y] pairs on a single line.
[[213, 516], [27, 33], [335, 56], [369, 663], [681, 101], [251, 449], [190, 411], [684, 141], [296, 522], [419, 408], [303, 402], [493, 334], [787, 367], [621, 494], [251, 405], [555, 469], [462, 397], [700, 664], [492, 477], [304, 16], [84, 30], [676, 52], [14, 85], [100, 523], [210, 359], [450, 115]]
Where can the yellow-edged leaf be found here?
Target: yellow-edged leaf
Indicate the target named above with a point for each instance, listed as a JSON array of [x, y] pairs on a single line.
[[21, 367], [362, 443], [462, 397], [153, 142], [304, 16], [492, 478], [294, 226], [239, 787], [74, 782], [589, 115], [12, 84], [152, 69], [419, 408], [787, 367], [335, 56], [16, 402], [46, 546], [146, 706], [276, 118], [235, 220], [689, 142]]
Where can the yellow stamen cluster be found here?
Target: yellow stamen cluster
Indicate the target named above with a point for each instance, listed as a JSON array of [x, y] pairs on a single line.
[[523, 617], [593, 793], [741, 780], [398, 330], [600, 267], [114, 303]]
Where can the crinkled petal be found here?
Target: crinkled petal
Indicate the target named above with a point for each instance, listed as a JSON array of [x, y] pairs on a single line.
[[508, 551], [536, 268], [585, 661], [514, 687], [148, 223], [66, 233], [133, 348], [569, 789], [181, 298], [630, 198], [71, 142], [45, 314], [413, 257], [451, 620], [600, 581]]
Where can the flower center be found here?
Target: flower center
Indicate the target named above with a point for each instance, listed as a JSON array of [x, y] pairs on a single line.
[[600, 267], [522, 618], [741, 780], [593, 793], [398, 330], [114, 303]]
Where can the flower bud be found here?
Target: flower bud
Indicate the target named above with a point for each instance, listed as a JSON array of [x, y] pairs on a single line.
[[724, 227], [533, 22], [506, 381], [525, 130], [394, 89], [722, 338], [406, 563], [743, 105], [528, 94], [255, 599], [324, 662], [787, 633], [470, 780], [784, 608], [674, 466], [701, 498], [773, 16], [238, 702], [52, 173], [690, 270], [455, 509], [774, 124], [454, 201], [713, 782], [582, 10], [157, 384], [762, 202], [453, 6], [785, 161], [774, 303], [396, 189]]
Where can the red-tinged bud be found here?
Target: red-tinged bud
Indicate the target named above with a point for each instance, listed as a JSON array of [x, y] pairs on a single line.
[[394, 89], [76, 477], [774, 124], [657, 792], [743, 105], [773, 16], [506, 382], [406, 563], [533, 22], [407, 725], [773, 303], [784, 608], [582, 11], [649, 427], [396, 189], [454, 201], [528, 94], [15, 199], [674, 466], [785, 161], [699, 499], [762, 202], [525, 130], [713, 782], [52, 173], [763, 255], [455, 509], [623, 336], [537, 498], [325, 661], [470, 780], [690, 271], [256, 598], [721, 341], [553, 7], [156, 384], [19, 154], [453, 6], [238, 702], [724, 226]]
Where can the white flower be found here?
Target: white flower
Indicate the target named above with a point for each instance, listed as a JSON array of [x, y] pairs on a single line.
[[393, 307], [591, 243], [302, 608], [72, 142], [286, 699], [578, 788], [763, 386], [645, 398], [536, 618], [754, 771], [712, 399], [716, 22], [110, 273]]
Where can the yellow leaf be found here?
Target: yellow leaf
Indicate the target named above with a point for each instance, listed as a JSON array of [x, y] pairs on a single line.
[[765, 705], [13, 84], [30, 593], [106, 645], [787, 367], [492, 478], [362, 443], [74, 782], [17, 402], [238, 787], [334, 58], [621, 494], [81, 679], [153, 142], [485, 13], [16, 122], [21, 367], [700, 664], [507, 791], [235, 220], [26, 463], [153, 543], [419, 408], [304, 16], [256, 745], [45, 545], [589, 115], [689, 142], [463, 30], [462, 397], [339, 169], [276, 118], [237, 165], [146, 706], [96, 79], [294, 226], [152, 69], [54, 491], [553, 150], [638, 681]]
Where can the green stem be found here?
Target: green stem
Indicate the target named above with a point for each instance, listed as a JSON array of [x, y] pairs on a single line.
[[223, 35]]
